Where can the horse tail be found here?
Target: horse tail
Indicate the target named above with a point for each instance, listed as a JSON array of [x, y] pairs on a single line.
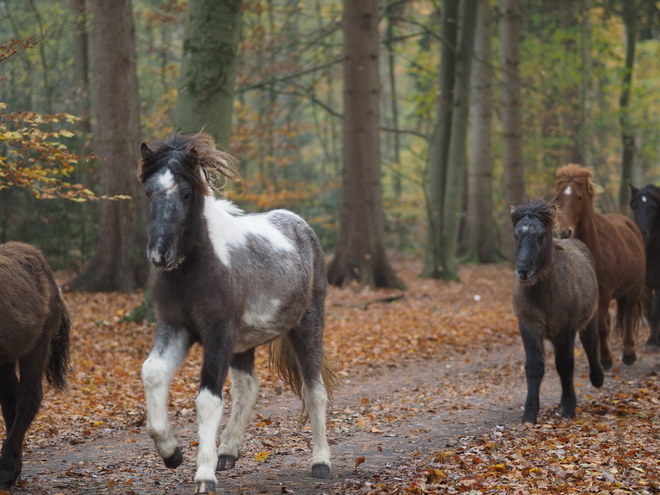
[[283, 359], [58, 361], [631, 314]]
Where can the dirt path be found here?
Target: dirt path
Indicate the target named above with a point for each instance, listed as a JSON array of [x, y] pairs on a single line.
[[393, 417]]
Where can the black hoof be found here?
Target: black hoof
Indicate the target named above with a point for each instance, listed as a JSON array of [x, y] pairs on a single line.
[[175, 460], [607, 365], [629, 359], [226, 462], [597, 378], [320, 471], [207, 487], [528, 419]]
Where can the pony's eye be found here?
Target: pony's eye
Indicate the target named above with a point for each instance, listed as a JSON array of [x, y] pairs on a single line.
[[186, 195], [579, 198]]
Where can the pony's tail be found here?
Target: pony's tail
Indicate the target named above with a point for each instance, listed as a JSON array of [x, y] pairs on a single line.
[[58, 362], [631, 314], [283, 359]]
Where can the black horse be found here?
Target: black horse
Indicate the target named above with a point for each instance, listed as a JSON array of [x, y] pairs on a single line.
[[34, 332], [230, 282], [645, 203], [555, 296]]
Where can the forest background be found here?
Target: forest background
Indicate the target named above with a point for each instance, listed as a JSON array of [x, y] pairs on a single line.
[[581, 97]]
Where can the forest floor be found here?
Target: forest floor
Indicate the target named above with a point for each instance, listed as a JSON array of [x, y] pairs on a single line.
[[430, 401]]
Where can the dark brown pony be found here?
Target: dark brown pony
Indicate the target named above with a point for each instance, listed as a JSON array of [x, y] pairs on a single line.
[[555, 297], [34, 332], [616, 245]]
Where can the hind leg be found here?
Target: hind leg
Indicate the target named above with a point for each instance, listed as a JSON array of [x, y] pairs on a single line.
[[8, 393], [171, 346], [606, 359], [244, 394], [27, 401], [565, 364], [627, 305], [589, 338], [653, 343]]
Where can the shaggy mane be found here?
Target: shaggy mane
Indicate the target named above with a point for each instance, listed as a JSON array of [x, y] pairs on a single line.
[[575, 174], [536, 208], [649, 190], [193, 156]]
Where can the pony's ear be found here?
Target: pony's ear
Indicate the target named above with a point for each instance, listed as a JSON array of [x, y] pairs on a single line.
[[145, 151], [513, 208], [553, 210], [633, 190]]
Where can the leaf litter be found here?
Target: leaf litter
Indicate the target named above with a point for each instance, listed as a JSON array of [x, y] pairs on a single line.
[[430, 402]]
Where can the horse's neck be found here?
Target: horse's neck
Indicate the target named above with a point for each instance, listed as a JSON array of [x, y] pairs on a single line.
[[588, 230]]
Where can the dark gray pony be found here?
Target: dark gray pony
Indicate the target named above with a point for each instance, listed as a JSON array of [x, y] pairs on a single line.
[[34, 332], [555, 296], [230, 282], [645, 203]]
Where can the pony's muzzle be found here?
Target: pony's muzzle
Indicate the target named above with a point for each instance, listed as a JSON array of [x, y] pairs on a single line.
[[524, 274], [161, 259], [566, 234]]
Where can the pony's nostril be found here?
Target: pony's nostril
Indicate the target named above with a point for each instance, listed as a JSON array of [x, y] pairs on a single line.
[[569, 233]]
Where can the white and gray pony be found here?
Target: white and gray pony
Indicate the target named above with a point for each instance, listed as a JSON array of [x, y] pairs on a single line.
[[230, 282]]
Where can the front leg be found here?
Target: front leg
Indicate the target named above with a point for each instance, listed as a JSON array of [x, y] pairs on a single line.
[[218, 344], [244, 394], [653, 343], [534, 370], [171, 346]]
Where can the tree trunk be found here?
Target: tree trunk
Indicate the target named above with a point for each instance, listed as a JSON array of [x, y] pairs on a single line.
[[452, 208], [439, 145], [81, 67], [479, 234], [361, 251], [208, 68], [629, 15], [514, 185], [118, 263]]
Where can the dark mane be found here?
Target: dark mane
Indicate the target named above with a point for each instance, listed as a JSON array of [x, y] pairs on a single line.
[[188, 155], [573, 173], [536, 208]]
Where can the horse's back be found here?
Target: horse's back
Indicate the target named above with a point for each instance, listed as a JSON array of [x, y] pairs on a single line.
[[25, 292], [623, 257]]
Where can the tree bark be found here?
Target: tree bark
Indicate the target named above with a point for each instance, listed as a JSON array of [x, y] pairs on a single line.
[[208, 68], [118, 263], [452, 207], [479, 234], [629, 15], [361, 251], [439, 145], [514, 185]]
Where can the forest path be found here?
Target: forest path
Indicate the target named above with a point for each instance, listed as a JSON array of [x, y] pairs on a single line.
[[389, 416]]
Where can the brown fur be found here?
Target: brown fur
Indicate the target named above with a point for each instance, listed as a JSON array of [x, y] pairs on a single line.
[[616, 245]]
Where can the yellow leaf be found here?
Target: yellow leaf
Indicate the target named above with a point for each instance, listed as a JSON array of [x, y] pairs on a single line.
[[98, 423], [67, 134], [261, 456]]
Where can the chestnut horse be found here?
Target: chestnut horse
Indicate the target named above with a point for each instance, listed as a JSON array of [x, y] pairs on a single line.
[[616, 245]]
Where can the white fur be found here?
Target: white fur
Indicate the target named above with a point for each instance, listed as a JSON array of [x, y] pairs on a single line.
[[568, 191], [644, 199], [157, 373], [209, 414], [166, 181], [261, 314], [244, 394], [226, 231], [316, 400]]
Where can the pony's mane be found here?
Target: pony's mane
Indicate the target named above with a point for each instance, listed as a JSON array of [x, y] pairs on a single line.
[[194, 156], [576, 174], [650, 190], [536, 208]]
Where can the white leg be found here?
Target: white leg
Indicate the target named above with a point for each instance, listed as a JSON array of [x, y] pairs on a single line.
[[209, 414], [244, 394], [316, 399], [157, 373]]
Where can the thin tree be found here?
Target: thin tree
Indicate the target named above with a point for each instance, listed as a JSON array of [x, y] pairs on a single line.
[[514, 184], [456, 158], [479, 232], [439, 145], [208, 68], [118, 264], [361, 253]]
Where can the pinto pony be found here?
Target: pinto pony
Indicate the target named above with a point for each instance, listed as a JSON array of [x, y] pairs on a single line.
[[617, 248], [555, 296], [34, 333], [230, 282], [645, 203]]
